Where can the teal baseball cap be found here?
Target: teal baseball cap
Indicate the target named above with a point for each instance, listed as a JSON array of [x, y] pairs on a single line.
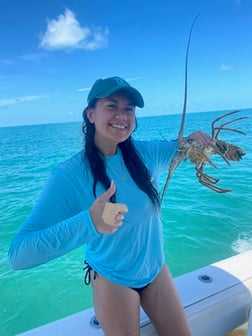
[[105, 87]]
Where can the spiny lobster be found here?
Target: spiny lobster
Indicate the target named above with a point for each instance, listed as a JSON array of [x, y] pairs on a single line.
[[200, 155]]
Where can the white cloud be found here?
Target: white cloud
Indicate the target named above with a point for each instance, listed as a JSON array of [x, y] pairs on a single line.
[[225, 67], [84, 89], [133, 79], [11, 101], [65, 32]]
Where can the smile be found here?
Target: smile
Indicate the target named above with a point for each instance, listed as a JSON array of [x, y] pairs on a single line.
[[119, 126]]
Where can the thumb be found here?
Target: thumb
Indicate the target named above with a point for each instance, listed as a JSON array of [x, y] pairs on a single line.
[[108, 193]]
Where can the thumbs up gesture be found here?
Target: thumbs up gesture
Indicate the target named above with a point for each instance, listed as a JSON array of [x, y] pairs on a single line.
[[107, 217]]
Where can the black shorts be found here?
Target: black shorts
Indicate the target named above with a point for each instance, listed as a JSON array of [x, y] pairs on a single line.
[[139, 290], [87, 278]]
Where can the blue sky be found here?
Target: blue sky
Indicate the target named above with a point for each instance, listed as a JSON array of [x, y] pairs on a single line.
[[52, 52]]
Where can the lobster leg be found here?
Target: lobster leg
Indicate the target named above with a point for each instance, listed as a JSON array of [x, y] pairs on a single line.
[[209, 181], [173, 166], [200, 174], [213, 187]]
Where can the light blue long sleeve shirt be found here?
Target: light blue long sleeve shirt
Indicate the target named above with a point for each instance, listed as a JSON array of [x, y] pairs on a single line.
[[61, 221]]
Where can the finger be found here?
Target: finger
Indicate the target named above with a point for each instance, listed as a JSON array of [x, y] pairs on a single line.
[[120, 216], [111, 211], [108, 193], [121, 208], [119, 219]]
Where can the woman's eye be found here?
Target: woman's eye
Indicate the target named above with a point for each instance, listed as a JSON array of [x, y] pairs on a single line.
[[112, 106], [130, 110]]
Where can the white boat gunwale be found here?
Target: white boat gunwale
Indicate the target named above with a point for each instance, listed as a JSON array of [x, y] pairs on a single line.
[[216, 299]]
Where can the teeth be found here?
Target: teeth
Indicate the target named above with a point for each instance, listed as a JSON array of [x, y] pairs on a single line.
[[119, 126]]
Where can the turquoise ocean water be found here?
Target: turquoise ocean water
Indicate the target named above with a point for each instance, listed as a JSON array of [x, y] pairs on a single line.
[[200, 226]]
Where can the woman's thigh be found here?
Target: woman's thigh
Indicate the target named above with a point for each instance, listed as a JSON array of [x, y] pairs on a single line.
[[117, 308], [162, 304]]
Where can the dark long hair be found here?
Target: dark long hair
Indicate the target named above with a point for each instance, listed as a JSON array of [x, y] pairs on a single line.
[[131, 157]]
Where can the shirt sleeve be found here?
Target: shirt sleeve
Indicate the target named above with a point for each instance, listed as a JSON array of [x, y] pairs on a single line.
[[59, 223], [158, 153]]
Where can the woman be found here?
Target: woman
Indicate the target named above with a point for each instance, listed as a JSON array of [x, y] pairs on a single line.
[[124, 259]]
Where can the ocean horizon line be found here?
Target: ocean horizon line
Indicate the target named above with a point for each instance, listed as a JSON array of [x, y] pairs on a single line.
[[138, 117]]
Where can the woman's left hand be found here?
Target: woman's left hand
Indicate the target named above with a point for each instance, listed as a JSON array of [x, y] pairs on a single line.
[[200, 137]]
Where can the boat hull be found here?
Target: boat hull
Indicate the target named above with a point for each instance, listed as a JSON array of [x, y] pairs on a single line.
[[216, 300]]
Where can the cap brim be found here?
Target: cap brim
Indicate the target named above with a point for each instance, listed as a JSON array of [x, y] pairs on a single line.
[[136, 96]]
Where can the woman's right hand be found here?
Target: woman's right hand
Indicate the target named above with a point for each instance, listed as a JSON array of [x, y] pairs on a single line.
[[99, 212]]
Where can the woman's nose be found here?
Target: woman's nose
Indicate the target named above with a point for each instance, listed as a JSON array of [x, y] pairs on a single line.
[[121, 114]]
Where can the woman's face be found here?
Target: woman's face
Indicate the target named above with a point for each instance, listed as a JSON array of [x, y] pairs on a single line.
[[114, 121]]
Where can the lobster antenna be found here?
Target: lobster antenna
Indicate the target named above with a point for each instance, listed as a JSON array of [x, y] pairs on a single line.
[[181, 131]]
